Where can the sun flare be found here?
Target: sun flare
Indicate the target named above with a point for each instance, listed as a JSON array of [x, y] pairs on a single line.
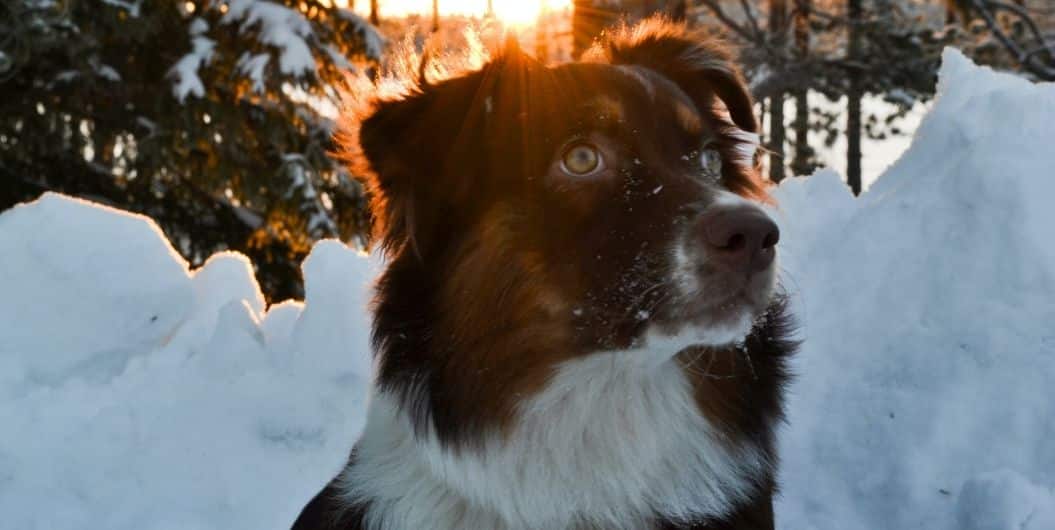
[[526, 13], [510, 12]]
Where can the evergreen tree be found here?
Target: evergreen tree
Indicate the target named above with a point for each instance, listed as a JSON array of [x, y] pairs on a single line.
[[211, 117]]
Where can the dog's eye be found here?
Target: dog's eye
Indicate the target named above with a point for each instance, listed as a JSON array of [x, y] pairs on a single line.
[[581, 159], [710, 161]]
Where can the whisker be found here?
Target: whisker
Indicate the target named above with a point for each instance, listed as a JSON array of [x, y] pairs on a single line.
[[706, 371]]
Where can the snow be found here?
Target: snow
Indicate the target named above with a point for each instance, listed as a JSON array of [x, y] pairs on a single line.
[[277, 26], [133, 7], [138, 394], [253, 65], [142, 308], [107, 72], [1005, 499], [927, 308], [185, 72]]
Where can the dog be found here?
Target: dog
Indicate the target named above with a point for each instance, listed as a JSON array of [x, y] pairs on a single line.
[[579, 325]]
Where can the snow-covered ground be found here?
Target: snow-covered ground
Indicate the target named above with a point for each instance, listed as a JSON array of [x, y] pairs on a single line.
[[136, 394]]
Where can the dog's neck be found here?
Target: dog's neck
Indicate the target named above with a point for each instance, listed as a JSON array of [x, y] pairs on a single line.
[[610, 443]]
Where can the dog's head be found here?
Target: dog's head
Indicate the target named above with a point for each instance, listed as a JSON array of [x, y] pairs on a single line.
[[533, 214]]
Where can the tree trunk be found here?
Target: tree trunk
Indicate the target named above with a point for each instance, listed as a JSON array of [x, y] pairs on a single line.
[[853, 102], [777, 137], [778, 10], [435, 15], [375, 18], [853, 139], [802, 161]]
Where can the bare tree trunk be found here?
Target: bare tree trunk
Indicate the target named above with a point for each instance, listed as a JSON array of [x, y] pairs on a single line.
[[778, 10], [375, 18], [435, 15], [853, 101], [802, 161], [777, 137]]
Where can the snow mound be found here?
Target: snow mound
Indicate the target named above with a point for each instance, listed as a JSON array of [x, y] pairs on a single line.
[[139, 395], [73, 299], [927, 307]]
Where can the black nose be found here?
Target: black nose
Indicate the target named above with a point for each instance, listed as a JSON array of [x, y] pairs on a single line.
[[740, 237]]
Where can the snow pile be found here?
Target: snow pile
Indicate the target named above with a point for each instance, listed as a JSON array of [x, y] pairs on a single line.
[[135, 394], [925, 393]]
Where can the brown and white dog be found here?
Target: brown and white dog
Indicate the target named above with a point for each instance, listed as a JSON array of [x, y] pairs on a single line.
[[578, 326]]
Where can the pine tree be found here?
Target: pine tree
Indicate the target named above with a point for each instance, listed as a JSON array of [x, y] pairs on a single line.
[[211, 117]]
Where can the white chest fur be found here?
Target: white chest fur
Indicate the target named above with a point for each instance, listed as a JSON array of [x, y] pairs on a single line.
[[608, 443]]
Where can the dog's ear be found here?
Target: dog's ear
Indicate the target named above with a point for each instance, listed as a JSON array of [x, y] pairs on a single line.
[[703, 67], [421, 151], [407, 145]]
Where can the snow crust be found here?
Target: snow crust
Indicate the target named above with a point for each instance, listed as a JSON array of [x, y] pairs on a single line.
[[138, 394]]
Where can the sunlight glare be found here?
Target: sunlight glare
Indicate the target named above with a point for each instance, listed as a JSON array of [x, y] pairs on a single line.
[[510, 12]]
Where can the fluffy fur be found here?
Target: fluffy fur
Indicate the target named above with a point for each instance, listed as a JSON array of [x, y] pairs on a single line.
[[559, 349]]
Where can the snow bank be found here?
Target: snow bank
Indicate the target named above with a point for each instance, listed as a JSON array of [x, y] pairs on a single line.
[[135, 394], [928, 312]]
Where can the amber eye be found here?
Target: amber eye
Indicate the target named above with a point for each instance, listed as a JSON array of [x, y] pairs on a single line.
[[580, 159]]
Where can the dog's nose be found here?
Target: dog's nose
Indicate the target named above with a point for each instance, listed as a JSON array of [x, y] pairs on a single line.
[[740, 237]]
